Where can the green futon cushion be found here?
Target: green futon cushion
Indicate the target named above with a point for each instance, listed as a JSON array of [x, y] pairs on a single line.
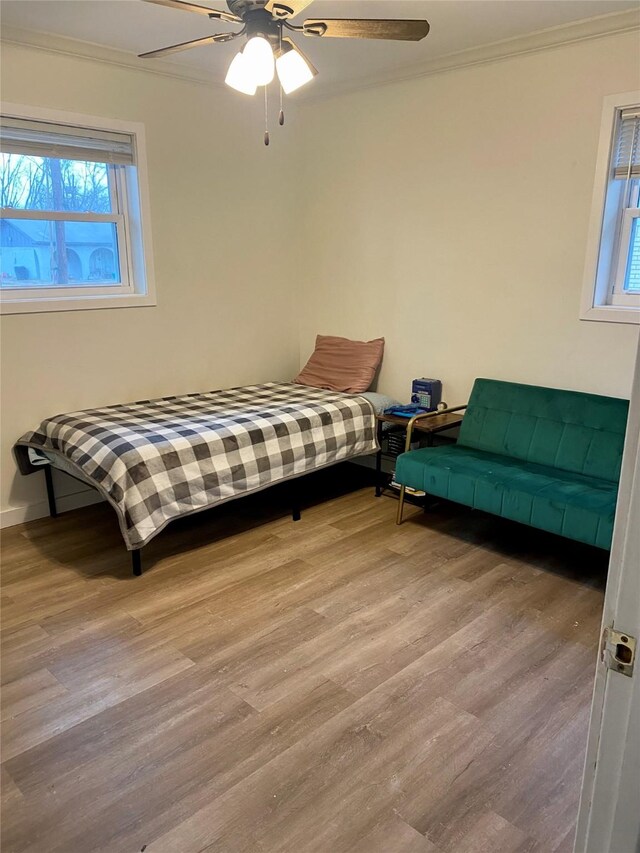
[[570, 504]]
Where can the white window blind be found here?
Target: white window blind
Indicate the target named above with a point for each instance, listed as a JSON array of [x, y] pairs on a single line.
[[626, 159], [46, 139]]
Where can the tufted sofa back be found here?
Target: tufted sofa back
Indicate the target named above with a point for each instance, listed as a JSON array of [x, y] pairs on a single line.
[[581, 433]]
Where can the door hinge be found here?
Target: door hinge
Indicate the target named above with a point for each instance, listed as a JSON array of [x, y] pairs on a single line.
[[618, 651]]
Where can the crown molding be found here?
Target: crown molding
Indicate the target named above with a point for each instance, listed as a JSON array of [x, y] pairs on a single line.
[[552, 37], [547, 39], [52, 43]]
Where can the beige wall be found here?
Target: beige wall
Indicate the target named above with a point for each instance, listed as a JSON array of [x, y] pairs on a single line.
[[224, 314], [450, 214]]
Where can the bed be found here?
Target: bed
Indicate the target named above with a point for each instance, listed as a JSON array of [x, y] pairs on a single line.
[[158, 460]]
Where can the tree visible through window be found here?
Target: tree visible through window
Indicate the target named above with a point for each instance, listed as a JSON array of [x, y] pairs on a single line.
[[32, 183], [55, 252], [71, 224]]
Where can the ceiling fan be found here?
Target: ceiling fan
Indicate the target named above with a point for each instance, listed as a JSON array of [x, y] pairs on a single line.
[[267, 50]]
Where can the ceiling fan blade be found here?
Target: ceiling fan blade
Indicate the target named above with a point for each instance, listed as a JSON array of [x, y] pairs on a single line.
[[286, 8], [346, 28], [202, 10], [185, 45]]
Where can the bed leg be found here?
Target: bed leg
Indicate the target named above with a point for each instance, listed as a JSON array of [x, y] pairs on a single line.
[[136, 562], [295, 500], [51, 495]]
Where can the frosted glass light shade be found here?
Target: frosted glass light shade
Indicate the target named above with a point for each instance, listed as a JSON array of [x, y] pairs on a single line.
[[240, 77], [258, 57], [294, 71]]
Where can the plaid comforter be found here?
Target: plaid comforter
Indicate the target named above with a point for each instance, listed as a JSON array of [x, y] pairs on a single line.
[[156, 460]]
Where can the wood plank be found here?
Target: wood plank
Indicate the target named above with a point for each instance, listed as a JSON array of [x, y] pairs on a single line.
[[393, 834], [34, 690], [337, 684]]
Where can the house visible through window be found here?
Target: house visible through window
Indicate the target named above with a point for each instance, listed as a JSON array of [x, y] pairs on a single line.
[[71, 234], [612, 276]]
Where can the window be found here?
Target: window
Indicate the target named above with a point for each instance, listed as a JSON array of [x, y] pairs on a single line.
[[612, 273], [74, 228]]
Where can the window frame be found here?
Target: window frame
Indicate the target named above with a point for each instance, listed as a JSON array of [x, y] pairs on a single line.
[[602, 297], [130, 214]]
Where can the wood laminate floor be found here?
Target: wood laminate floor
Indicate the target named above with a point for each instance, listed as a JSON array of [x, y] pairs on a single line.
[[337, 685]]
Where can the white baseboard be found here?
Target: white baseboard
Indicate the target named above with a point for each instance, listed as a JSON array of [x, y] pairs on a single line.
[[29, 512]]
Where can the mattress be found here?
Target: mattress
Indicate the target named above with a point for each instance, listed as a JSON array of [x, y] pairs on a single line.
[[157, 460]]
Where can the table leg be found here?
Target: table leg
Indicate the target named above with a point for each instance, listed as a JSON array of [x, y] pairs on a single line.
[[400, 505], [379, 460]]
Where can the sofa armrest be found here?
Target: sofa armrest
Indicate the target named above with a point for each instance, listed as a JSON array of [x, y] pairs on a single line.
[[425, 415]]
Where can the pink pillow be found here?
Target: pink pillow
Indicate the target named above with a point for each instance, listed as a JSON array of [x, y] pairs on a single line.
[[339, 364]]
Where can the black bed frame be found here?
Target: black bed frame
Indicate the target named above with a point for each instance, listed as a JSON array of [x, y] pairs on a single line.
[[136, 555]]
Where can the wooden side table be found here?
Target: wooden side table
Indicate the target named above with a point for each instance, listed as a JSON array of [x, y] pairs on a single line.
[[428, 426]]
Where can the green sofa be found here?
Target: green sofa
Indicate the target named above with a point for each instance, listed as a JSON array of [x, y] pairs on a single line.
[[541, 456]]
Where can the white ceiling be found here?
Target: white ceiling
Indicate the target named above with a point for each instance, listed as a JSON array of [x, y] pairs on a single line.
[[135, 26]]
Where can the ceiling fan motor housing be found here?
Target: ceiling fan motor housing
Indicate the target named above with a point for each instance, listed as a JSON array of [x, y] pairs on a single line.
[[257, 21], [241, 7]]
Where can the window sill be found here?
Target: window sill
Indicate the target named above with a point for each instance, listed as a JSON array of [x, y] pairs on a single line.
[[611, 314], [85, 303]]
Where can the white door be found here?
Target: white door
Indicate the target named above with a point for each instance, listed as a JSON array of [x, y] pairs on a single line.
[[609, 817]]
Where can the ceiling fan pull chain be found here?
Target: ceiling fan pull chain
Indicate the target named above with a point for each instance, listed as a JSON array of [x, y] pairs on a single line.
[[281, 116], [266, 117]]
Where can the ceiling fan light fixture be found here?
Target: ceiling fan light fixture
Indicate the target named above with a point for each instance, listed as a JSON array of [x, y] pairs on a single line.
[[294, 69], [258, 58], [267, 51], [240, 77]]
